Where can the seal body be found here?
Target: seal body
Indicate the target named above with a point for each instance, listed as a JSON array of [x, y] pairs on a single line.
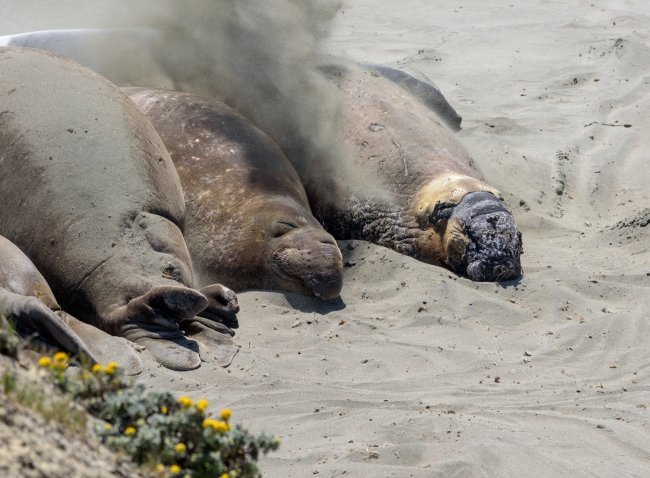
[[248, 220], [26, 298], [90, 195], [436, 205], [421, 88]]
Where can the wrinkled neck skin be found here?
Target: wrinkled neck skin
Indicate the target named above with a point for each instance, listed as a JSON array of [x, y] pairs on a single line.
[[453, 221], [388, 225]]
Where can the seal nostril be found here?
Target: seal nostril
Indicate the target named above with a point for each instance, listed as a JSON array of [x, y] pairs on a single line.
[[327, 240]]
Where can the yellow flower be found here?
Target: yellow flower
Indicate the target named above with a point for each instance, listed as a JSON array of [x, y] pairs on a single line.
[[129, 431], [160, 467], [207, 423], [110, 368], [85, 376], [180, 447], [225, 475], [97, 368], [185, 402], [108, 426], [202, 404], [44, 362], [225, 414], [175, 469], [60, 357], [163, 410], [216, 425], [221, 427], [60, 365]]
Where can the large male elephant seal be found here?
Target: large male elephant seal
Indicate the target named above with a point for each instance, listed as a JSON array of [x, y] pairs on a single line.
[[26, 298], [248, 220], [90, 195], [439, 207]]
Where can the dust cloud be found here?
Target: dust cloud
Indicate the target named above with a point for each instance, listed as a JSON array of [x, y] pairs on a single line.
[[259, 57]]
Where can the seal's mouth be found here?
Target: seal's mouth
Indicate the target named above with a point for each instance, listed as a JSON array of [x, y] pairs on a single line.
[[314, 269], [493, 242]]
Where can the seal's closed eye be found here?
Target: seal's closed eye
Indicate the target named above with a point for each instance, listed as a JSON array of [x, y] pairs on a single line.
[[290, 224], [283, 228]]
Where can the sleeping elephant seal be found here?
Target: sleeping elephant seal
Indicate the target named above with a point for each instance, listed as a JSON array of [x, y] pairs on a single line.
[[90, 195], [439, 208], [26, 298], [248, 219]]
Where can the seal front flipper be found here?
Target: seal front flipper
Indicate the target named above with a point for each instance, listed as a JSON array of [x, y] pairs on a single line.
[[222, 305], [162, 306], [170, 348], [213, 326], [31, 315], [152, 320], [215, 337], [104, 347]]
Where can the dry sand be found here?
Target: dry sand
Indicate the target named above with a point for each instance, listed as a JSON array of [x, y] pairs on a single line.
[[418, 372]]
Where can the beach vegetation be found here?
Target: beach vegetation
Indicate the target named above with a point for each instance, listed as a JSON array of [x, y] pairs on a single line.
[[164, 435]]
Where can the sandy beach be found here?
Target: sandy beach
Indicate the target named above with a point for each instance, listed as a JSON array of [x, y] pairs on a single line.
[[415, 371]]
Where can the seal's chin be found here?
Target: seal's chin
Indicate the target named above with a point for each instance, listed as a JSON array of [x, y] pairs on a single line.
[[312, 269], [493, 243], [481, 271]]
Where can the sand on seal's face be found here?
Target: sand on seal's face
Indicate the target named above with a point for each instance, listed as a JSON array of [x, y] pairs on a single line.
[[405, 387]]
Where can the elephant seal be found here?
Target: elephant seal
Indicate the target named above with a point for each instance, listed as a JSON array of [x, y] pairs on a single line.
[[248, 220], [90, 195], [439, 208], [26, 298]]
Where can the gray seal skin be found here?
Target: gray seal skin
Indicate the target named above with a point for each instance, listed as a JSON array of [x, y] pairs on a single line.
[[439, 207], [248, 219], [90, 195], [26, 298]]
